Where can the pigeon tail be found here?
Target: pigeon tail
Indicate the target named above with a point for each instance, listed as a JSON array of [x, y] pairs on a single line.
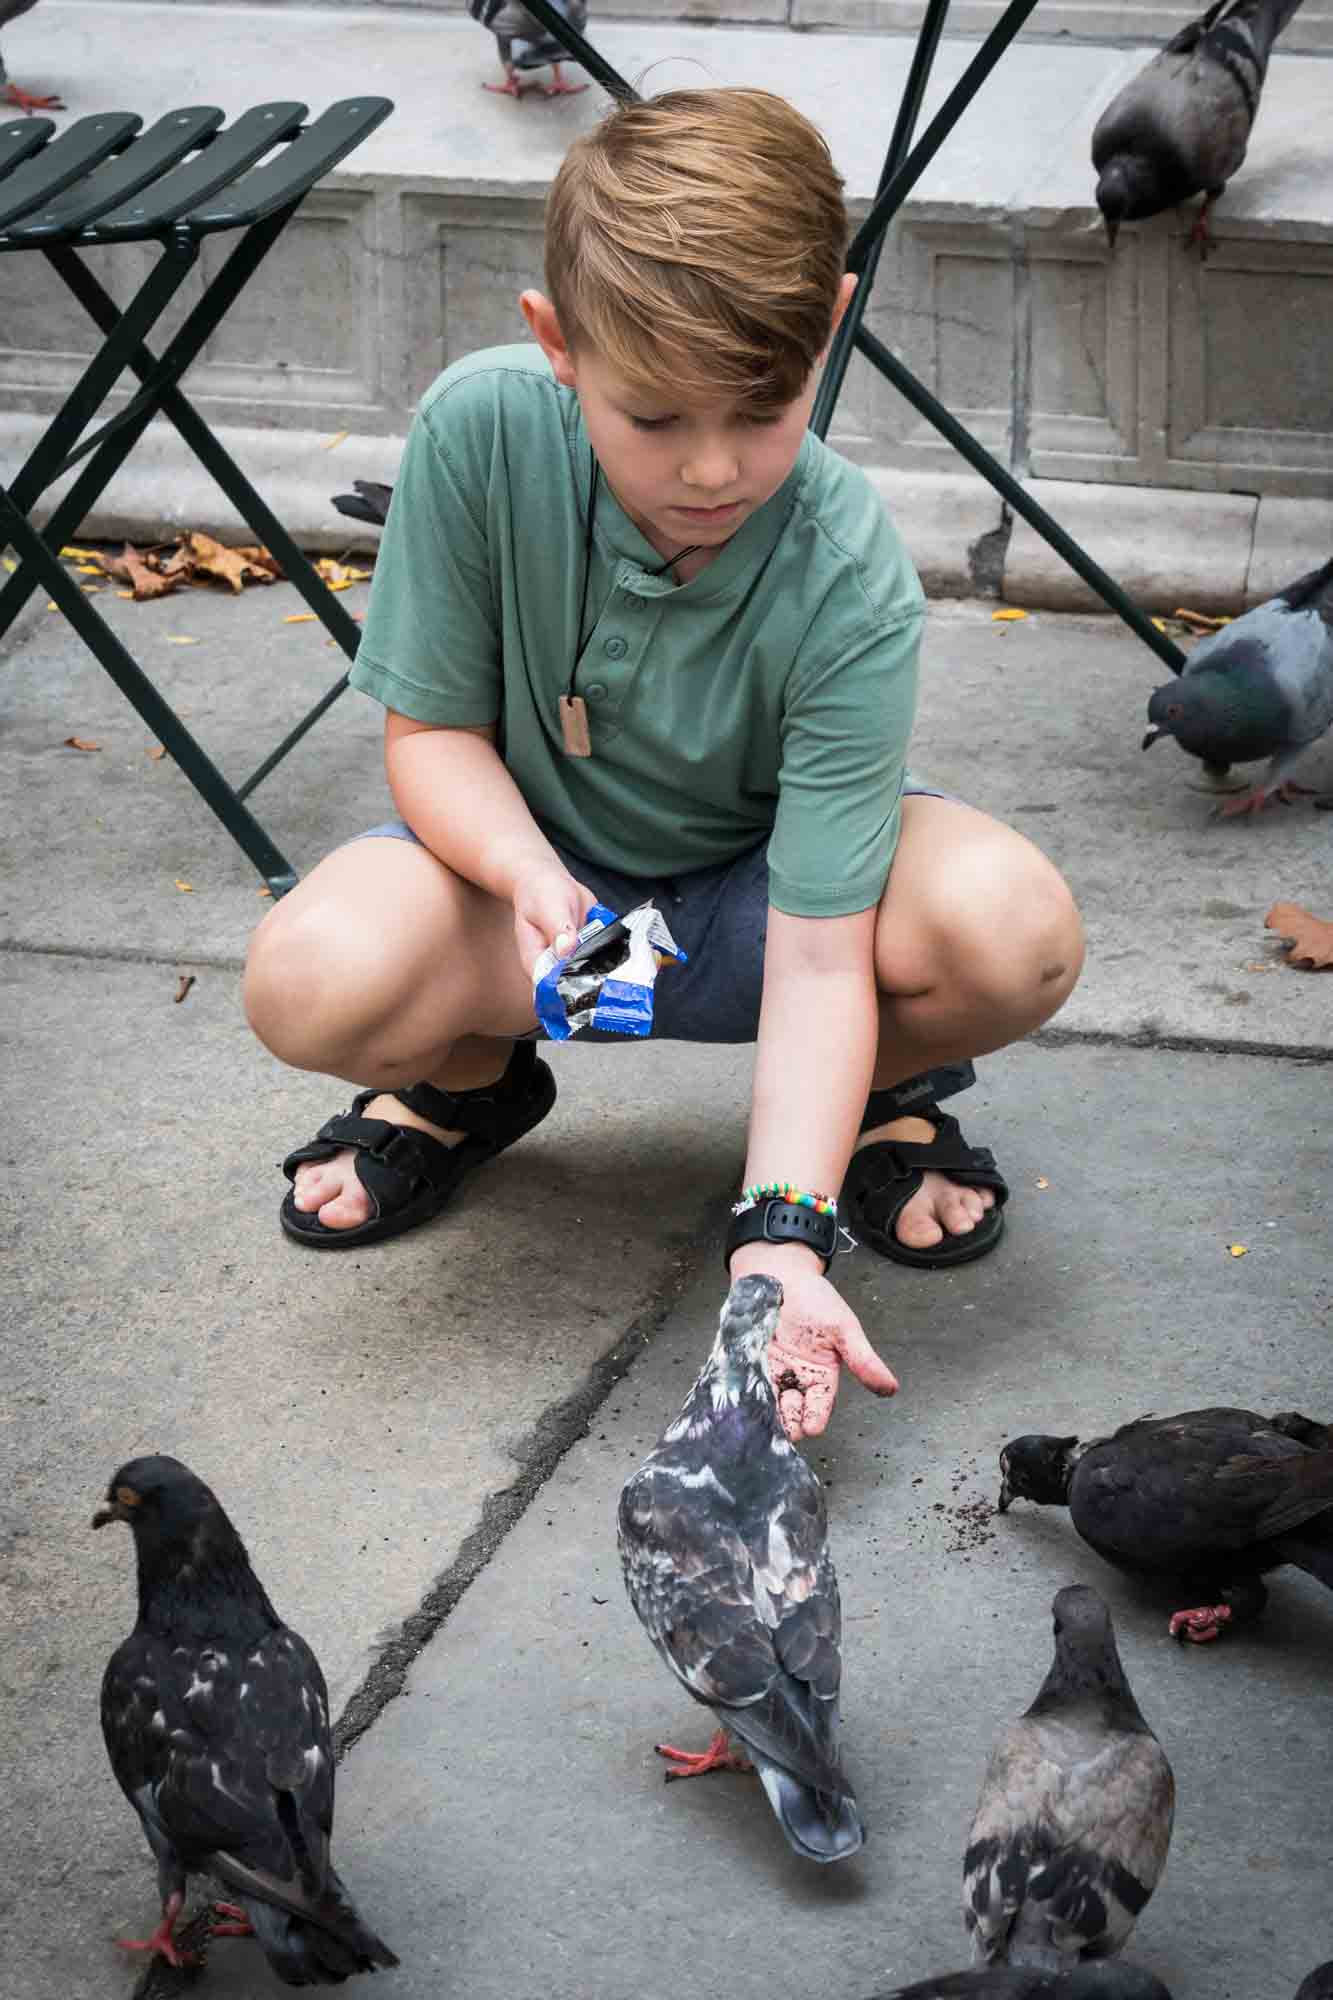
[[820, 1826], [316, 1952]]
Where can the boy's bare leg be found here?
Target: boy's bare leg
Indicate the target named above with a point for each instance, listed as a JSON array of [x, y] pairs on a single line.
[[384, 967], [977, 943]]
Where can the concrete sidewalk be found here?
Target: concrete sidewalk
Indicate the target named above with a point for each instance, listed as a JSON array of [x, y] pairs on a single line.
[[422, 1444]]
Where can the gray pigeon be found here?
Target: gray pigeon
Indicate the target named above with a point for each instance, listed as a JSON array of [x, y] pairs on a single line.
[[216, 1721], [1181, 126], [1074, 1819], [10, 93], [1260, 687], [723, 1540], [1108, 1981], [525, 44], [1317, 1985]]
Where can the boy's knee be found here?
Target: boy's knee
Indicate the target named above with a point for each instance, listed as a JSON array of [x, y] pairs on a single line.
[[298, 980]]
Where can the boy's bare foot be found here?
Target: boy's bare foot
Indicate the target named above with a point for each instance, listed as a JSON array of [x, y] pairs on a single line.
[[332, 1190], [939, 1207]]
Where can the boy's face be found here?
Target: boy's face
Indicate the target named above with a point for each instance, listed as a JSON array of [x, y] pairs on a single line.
[[686, 469]]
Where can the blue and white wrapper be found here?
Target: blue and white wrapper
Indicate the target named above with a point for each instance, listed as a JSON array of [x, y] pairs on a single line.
[[606, 981]]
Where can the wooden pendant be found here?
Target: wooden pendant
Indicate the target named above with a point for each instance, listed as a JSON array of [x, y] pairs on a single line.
[[574, 726]]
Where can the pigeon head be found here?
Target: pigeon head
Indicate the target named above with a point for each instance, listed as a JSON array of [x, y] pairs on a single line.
[[1036, 1467], [1128, 186], [748, 1322], [1226, 706], [1086, 1660], [186, 1547]]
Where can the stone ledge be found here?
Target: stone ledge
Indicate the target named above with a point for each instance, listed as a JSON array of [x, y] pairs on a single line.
[[1213, 552]]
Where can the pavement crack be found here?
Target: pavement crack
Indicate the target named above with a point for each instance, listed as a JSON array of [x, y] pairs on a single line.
[[538, 1453]]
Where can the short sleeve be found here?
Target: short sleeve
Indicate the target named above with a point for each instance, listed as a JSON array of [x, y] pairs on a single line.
[[845, 732], [431, 644]]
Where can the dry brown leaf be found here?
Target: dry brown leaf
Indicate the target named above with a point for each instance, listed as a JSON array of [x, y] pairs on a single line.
[[157, 751], [81, 743], [1311, 937], [144, 580], [230, 566], [184, 983], [255, 552]]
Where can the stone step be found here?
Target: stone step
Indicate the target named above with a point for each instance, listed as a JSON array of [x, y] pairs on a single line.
[[1148, 370]]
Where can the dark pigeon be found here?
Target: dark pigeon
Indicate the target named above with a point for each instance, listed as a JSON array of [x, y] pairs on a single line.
[[526, 45], [216, 1721], [723, 1540], [10, 93], [370, 502], [1317, 1985], [1214, 1497], [1262, 686], [1074, 1819], [1109, 1981], [1181, 126]]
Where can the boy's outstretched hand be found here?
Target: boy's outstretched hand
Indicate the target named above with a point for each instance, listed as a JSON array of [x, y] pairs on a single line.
[[549, 907], [817, 1332]]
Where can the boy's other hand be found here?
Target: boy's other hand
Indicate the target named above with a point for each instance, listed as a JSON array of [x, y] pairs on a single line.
[[817, 1333], [549, 907]]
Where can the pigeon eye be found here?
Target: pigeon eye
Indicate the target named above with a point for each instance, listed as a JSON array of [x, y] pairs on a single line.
[[127, 1496], [1174, 712]]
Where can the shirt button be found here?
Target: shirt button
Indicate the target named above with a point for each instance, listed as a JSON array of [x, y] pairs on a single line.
[[615, 649], [597, 692]]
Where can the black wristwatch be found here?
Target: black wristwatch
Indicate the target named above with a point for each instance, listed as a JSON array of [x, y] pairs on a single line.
[[778, 1221]]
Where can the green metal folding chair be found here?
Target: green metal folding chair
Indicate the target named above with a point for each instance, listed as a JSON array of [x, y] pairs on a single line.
[[104, 181]]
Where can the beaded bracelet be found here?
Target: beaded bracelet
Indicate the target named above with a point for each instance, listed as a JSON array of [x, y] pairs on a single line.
[[784, 1191]]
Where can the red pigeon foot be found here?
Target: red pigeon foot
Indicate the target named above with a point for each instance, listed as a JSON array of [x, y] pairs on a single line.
[[23, 100], [719, 1756], [559, 88], [161, 1943], [237, 1924], [1200, 1626]]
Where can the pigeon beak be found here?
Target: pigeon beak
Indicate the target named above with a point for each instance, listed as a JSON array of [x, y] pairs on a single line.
[[1006, 1495], [1112, 231], [1151, 737], [108, 1511]]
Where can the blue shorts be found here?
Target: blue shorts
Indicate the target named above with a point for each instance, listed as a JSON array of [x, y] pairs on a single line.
[[719, 917]]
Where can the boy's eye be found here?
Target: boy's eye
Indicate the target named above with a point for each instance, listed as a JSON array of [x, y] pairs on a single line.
[[651, 423], [762, 418]]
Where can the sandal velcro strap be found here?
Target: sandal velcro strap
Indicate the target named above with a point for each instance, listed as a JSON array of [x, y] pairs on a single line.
[[883, 1176], [473, 1111]]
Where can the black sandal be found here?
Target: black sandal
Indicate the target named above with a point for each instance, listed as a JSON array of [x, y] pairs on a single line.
[[408, 1175], [882, 1178]]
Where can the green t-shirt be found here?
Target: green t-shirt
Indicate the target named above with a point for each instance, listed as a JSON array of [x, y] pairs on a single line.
[[771, 695]]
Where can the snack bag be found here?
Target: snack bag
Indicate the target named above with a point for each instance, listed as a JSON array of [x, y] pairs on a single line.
[[607, 980]]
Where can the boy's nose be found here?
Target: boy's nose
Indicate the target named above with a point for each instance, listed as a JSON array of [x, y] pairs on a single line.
[[711, 471]]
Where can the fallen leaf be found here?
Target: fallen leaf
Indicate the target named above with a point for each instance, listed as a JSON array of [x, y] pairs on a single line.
[[124, 593], [79, 555], [185, 983], [1042, 1181], [231, 566], [186, 888], [157, 751], [1262, 964], [1199, 619], [89, 569], [1237, 1249], [180, 639], [92, 589], [255, 552], [264, 890], [145, 582], [10, 564], [1311, 937], [81, 743], [1007, 616], [300, 618], [336, 440], [1160, 623], [51, 604]]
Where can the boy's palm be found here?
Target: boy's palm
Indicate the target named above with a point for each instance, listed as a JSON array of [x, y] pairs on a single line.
[[817, 1332]]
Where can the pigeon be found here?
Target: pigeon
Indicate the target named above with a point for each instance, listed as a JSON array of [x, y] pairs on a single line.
[[1262, 686], [1094, 1981], [1216, 1497], [10, 93], [1181, 126], [1317, 1985], [216, 1721], [723, 1541], [1074, 1818], [370, 502], [525, 44]]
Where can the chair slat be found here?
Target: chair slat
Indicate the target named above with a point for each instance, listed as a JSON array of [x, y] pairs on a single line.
[[173, 136], [76, 152], [207, 175], [20, 138], [319, 147]]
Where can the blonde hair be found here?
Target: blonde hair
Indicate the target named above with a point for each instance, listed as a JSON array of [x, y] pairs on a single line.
[[699, 238]]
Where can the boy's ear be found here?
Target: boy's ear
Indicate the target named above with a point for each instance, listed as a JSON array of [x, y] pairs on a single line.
[[540, 316], [844, 299]]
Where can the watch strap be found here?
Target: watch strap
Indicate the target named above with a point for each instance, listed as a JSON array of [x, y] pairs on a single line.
[[778, 1221]]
